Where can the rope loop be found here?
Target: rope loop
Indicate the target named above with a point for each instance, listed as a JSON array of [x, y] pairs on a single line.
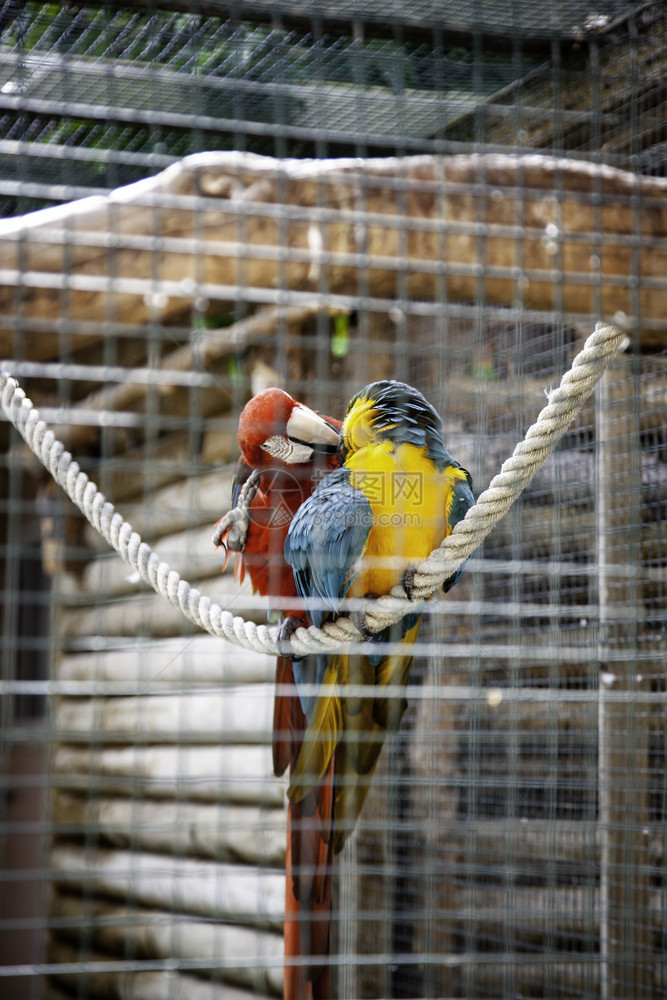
[[564, 403]]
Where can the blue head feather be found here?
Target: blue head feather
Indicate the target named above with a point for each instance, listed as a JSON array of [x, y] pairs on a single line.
[[402, 415]]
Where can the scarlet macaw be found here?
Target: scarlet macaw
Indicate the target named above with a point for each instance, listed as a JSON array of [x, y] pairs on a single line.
[[398, 494], [285, 448]]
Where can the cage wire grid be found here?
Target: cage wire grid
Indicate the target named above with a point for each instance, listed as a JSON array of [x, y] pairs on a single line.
[[512, 843]]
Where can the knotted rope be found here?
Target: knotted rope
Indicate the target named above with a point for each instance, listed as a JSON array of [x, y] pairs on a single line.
[[564, 403]]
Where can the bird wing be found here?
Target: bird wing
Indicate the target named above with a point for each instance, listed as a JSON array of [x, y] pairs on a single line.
[[459, 501], [325, 545], [326, 540]]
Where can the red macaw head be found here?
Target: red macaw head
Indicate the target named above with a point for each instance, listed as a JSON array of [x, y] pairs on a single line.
[[275, 429]]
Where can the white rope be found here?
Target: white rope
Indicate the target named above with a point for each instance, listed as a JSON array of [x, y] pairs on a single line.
[[564, 404]]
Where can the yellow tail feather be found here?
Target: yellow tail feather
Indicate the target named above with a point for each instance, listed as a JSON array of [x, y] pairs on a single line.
[[357, 724], [322, 736]]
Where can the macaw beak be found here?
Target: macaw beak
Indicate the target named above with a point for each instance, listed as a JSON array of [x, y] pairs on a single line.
[[307, 427]]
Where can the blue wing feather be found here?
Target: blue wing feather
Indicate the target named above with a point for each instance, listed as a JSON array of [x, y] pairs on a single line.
[[459, 503], [327, 536]]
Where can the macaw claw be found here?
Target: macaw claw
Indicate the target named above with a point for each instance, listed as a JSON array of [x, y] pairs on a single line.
[[360, 621], [287, 629], [408, 582], [231, 531]]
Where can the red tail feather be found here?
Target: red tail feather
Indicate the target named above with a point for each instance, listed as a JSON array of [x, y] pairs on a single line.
[[308, 886], [309, 859]]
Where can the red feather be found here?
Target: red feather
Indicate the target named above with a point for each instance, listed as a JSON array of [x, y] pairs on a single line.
[[284, 483]]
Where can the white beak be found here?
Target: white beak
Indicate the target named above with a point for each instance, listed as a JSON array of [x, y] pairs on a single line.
[[306, 426]]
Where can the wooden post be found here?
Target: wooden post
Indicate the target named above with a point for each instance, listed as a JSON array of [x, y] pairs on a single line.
[[625, 924]]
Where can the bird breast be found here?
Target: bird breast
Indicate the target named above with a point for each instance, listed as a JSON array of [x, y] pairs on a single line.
[[408, 496]]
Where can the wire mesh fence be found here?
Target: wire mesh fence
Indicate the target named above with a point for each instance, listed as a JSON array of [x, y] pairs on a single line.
[[469, 188]]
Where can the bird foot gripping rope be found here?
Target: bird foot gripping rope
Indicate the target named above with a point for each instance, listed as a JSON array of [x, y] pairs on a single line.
[[564, 403]]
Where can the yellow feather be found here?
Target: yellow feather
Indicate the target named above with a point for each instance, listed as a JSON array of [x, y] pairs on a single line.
[[324, 731], [355, 725], [407, 494]]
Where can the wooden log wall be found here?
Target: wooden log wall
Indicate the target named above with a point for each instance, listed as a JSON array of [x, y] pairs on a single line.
[[480, 838], [169, 825], [532, 232]]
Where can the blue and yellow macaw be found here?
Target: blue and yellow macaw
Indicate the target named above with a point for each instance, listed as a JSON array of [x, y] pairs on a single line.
[[364, 528]]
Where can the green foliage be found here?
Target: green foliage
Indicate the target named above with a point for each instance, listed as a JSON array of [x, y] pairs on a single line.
[[213, 46], [483, 371], [340, 339]]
